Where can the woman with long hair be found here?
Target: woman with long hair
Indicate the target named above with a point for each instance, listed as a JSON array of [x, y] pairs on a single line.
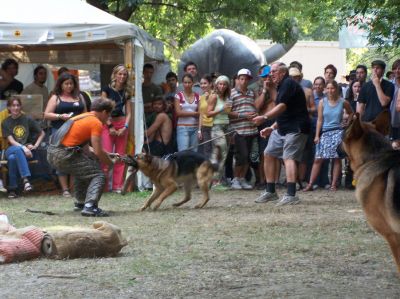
[[219, 105], [328, 135], [186, 111], [205, 122], [19, 130], [62, 105], [115, 131]]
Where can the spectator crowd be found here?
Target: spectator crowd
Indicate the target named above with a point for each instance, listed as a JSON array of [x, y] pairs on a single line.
[[263, 130]]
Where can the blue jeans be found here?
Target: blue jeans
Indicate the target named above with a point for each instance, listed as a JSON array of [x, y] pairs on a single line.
[[186, 137], [17, 165]]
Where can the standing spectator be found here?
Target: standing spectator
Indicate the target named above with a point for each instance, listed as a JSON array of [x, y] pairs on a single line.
[[205, 122], [115, 132], [304, 82], [62, 105], [297, 76], [172, 84], [361, 73], [37, 86], [319, 87], [186, 111], [20, 131], [244, 109], [149, 89], [328, 134], [219, 105], [376, 94], [395, 107], [354, 92], [330, 72], [8, 84], [191, 68], [288, 133]]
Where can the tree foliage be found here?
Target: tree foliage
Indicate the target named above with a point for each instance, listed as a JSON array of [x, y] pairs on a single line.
[[180, 22]]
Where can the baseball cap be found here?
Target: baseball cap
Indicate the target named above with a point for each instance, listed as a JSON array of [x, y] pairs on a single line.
[[245, 72], [265, 71], [378, 62], [294, 72]]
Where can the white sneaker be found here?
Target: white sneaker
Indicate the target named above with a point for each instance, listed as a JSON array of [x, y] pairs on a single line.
[[288, 200], [2, 189], [236, 184], [266, 197], [245, 185]]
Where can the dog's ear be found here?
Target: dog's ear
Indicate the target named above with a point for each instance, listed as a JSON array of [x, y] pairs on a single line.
[[355, 130], [382, 122]]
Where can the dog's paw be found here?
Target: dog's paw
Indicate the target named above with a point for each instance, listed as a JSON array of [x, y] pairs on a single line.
[[143, 208], [199, 206]]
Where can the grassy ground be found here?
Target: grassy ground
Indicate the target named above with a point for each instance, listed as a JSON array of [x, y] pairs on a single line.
[[233, 248]]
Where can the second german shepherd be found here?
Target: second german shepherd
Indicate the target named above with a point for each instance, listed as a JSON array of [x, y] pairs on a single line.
[[376, 169], [185, 167]]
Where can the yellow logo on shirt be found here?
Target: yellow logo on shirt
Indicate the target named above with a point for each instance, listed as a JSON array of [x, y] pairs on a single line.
[[19, 132]]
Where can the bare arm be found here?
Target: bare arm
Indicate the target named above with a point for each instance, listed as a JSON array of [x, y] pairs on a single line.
[[156, 124], [319, 121], [99, 152], [360, 108], [383, 99], [310, 101], [212, 101], [398, 102]]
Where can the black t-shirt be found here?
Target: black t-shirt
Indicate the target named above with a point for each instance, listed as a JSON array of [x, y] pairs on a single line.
[[295, 118], [369, 97], [15, 87], [23, 128], [119, 97]]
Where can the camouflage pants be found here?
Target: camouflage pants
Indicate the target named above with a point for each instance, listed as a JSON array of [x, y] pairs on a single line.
[[89, 179]]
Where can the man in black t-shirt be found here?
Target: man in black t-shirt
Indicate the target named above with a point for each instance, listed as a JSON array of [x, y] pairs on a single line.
[[288, 133], [376, 94], [8, 84]]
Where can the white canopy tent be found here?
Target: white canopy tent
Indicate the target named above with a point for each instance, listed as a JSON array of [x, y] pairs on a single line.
[[74, 32]]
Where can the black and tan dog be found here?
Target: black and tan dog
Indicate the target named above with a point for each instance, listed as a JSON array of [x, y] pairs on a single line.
[[376, 169], [185, 167]]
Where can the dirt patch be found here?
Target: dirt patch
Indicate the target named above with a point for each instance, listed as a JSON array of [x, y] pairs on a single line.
[[233, 248]]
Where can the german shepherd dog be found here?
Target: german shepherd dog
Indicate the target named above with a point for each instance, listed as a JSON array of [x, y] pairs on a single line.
[[166, 174], [376, 169]]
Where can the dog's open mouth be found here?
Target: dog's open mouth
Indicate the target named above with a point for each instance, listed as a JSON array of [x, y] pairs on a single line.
[[130, 161]]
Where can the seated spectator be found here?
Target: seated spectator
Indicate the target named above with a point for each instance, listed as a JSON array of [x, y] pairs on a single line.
[[159, 133], [21, 133]]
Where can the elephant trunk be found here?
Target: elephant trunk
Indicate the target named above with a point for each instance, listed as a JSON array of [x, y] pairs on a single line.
[[277, 51]]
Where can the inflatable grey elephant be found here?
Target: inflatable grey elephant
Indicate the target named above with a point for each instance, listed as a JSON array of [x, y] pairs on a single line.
[[225, 51]]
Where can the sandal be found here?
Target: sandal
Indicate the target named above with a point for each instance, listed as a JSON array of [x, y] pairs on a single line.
[[27, 186], [333, 188], [309, 187], [66, 193]]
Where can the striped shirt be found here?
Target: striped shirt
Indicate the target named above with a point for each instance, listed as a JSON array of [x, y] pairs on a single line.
[[243, 103]]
